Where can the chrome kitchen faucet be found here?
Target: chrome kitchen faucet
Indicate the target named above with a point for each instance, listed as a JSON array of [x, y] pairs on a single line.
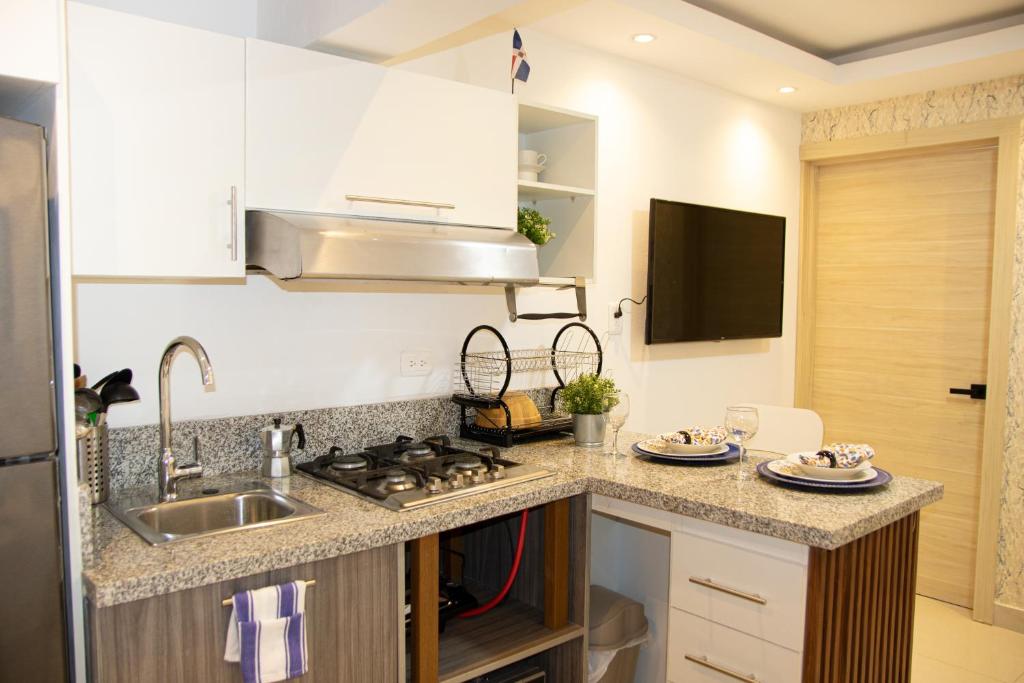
[[169, 471]]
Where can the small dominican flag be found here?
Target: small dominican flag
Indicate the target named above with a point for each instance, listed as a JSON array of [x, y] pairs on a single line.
[[520, 68]]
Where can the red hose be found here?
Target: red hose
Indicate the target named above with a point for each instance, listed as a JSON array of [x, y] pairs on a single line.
[[493, 602]]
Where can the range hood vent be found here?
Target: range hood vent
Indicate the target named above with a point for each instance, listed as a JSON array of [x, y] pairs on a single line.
[[323, 246]]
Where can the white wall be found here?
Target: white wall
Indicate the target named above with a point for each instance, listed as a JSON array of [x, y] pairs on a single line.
[[660, 135], [234, 17]]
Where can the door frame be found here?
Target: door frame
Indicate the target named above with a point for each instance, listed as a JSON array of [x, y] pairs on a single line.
[[1005, 134]]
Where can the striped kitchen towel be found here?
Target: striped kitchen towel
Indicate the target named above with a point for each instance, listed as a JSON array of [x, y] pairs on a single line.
[[267, 633]]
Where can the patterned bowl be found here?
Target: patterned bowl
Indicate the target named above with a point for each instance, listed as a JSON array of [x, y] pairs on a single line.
[[694, 440]]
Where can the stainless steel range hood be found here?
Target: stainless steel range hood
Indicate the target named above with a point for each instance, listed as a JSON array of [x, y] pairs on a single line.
[[323, 246]]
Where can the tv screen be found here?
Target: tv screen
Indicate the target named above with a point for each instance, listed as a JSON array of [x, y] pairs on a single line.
[[713, 273]]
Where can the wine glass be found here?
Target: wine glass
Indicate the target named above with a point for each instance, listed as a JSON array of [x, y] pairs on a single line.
[[741, 421], [617, 415]]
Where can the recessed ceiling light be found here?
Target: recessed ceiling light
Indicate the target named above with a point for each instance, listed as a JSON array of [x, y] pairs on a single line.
[[644, 38], [786, 89]]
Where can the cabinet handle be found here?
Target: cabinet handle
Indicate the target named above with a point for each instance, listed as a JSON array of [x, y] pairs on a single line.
[[726, 671], [708, 583], [233, 244], [403, 202], [228, 601]]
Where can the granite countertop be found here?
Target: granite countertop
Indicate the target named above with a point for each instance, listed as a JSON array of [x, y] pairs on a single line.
[[122, 567]]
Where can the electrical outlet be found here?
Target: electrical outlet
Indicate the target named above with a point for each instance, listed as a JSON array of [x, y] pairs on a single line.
[[416, 363], [614, 324]]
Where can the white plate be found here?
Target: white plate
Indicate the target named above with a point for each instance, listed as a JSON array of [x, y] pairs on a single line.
[[792, 467], [826, 473], [659, 447]]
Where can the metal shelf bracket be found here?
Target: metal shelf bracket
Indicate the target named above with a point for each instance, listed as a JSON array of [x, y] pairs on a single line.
[[579, 284]]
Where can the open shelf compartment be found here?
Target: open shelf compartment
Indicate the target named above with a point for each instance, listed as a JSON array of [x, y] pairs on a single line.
[[543, 618], [507, 634]]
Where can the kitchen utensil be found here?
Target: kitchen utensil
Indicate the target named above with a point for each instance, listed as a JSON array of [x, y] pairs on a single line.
[[531, 157], [87, 402], [730, 455], [93, 449], [520, 405], [617, 416], [117, 392], [768, 470], [124, 376], [660, 448], [277, 446], [742, 423], [830, 473], [791, 468]]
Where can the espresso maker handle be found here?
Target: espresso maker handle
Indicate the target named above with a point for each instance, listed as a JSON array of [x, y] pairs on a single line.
[[302, 436]]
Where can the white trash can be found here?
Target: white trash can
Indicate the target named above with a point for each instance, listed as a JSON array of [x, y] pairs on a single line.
[[618, 628]]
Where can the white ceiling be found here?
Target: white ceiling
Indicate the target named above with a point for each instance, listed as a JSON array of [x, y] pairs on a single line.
[[707, 47], [830, 29], [834, 52]]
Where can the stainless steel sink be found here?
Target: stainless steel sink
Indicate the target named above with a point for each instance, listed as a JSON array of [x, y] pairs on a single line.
[[211, 511]]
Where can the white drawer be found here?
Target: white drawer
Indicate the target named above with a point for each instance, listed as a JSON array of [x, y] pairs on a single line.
[[723, 655], [759, 591]]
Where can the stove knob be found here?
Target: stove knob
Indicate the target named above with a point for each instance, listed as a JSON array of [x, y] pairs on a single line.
[[433, 485], [498, 472], [479, 477], [457, 481]]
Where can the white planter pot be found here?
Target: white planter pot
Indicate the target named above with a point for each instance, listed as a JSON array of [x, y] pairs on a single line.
[[589, 429]]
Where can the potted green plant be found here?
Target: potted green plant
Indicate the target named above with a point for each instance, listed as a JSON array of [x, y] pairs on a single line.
[[588, 398], [535, 226]]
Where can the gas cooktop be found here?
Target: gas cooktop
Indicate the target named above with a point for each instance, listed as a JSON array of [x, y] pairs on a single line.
[[408, 474]]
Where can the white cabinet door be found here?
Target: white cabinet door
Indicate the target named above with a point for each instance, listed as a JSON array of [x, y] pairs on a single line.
[[157, 145], [322, 129], [29, 39]]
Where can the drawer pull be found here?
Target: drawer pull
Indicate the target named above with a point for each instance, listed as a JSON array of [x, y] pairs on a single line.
[[703, 661], [227, 601], [708, 583], [403, 202]]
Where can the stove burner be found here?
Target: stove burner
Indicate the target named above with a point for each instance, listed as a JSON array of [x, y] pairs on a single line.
[[398, 480], [417, 450], [467, 462], [349, 463]]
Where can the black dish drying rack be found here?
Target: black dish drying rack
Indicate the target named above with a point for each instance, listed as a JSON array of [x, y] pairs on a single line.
[[482, 378]]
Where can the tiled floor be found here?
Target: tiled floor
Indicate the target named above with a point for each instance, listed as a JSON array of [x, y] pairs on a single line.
[[949, 647]]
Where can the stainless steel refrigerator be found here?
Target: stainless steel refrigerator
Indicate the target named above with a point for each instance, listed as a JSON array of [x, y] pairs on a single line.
[[32, 623]]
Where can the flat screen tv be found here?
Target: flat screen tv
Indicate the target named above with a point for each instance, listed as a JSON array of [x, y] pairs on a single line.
[[713, 273]]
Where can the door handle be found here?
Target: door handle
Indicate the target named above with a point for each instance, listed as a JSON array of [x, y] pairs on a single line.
[[977, 391]]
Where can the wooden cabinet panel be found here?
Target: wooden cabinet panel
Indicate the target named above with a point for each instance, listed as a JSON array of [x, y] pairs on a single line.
[[320, 127], [352, 626], [157, 143]]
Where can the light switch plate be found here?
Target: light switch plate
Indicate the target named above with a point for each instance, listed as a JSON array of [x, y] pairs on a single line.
[[416, 363]]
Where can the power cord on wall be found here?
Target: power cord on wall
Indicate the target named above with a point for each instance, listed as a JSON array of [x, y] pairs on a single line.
[[618, 309]]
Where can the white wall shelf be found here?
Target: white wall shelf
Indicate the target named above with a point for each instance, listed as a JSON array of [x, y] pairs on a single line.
[[566, 190], [533, 191]]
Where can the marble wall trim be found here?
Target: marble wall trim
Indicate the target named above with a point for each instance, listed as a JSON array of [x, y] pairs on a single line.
[[232, 444], [984, 101]]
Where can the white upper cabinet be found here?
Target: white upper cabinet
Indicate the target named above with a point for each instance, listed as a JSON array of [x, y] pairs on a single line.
[[334, 135], [157, 116], [30, 39]]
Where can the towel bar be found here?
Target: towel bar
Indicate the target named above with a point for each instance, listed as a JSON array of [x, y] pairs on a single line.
[[227, 601]]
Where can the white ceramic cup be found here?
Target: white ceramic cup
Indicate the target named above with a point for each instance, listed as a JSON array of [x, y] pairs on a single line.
[[528, 175], [531, 157]]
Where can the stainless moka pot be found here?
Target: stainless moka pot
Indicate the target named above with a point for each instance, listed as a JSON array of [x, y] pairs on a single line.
[[277, 447]]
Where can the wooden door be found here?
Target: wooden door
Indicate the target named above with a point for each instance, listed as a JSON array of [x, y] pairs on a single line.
[[903, 258], [157, 143]]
